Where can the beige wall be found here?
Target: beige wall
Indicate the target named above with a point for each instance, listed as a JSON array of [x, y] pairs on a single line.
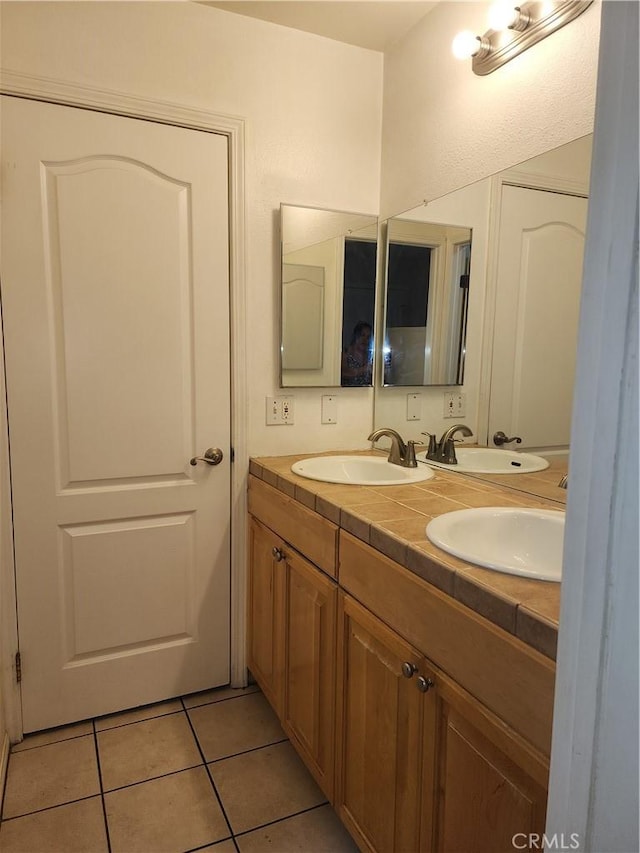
[[313, 109], [444, 127]]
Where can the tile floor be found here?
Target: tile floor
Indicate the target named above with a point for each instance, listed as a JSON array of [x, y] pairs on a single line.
[[212, 771]]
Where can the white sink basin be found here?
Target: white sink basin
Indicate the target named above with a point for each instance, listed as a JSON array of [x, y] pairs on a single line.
[[360, 471], [490, 460], [525, 542]]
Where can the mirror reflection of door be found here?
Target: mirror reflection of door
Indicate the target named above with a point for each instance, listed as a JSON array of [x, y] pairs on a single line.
[[302, 317], [539, 278]]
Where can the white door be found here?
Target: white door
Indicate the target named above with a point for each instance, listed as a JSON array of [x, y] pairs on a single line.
[[116, 309], [539, 277]]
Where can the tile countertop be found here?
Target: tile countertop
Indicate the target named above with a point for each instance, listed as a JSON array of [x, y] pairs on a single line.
[[392, 519]]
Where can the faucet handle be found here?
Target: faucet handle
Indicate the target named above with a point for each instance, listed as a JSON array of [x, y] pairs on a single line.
[[432, 448], [411, 454]]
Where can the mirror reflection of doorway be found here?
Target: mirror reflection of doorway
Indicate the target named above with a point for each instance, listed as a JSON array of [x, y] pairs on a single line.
[[409, 271], [358, 312]]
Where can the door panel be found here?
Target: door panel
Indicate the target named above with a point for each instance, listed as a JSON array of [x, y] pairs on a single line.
[[489, 785], [309, 668], [115, 295], [95, 306], [265, 602]]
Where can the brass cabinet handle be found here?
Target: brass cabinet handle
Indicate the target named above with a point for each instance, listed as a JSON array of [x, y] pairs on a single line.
[[424, 684], [409, 669], [277, 554], [212, 456]]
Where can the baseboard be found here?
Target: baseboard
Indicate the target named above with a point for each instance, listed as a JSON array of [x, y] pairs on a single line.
[[4, 761]]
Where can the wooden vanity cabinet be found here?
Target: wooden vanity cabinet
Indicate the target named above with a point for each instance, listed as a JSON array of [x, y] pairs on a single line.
[[291, 645], [426, 726], [481, 783], [379, 731], [422, 765], [265, 599]]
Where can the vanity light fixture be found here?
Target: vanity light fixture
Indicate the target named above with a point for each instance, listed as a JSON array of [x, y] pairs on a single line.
[[513, 29]]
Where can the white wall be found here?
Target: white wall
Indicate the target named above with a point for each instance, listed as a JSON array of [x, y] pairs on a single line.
[[313, 109], [445, 127]]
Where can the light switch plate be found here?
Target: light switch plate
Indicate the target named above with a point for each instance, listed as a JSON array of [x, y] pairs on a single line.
[[414, 407], [455, 404], [329, 406], [279, 411]]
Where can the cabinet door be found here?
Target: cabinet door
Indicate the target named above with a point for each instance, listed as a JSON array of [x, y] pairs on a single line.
[[309, 668], [379, 728], [487, 784], [265, 604]]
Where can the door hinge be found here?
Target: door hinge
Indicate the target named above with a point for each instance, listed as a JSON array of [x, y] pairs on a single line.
[[18, 668], [232, 455]]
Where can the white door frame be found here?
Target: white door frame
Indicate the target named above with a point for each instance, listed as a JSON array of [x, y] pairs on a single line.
[[593, 786], [511, 178], [165, 112]]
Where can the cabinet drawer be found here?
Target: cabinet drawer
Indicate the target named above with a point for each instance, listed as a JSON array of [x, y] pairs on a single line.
[[514, 681], [308, 532]]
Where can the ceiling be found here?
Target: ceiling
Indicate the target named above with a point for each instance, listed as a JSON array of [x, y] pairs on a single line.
[[373, 24]]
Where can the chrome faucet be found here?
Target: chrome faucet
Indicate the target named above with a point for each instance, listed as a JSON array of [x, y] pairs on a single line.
[[400, 453], [444, 450]]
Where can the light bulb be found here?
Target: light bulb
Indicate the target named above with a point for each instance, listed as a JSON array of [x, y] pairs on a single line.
[[465, 45], [504, 15]]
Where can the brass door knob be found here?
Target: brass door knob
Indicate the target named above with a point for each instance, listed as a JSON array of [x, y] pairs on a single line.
[[212, 456]]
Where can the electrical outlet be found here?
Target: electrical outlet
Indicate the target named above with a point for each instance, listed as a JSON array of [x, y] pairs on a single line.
[[279, 411], [287, 410], [455, 404]]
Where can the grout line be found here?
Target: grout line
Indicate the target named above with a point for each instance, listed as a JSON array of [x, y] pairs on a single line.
[[49, 743], [281, 819], [209, 774], [104, 806], [285, 739], [213, 844], [134, 722], [154, 778], [219, 701], [48, 808]]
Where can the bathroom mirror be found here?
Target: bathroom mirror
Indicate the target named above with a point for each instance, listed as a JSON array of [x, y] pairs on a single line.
[[328, 288], [519, 349], [425, 302]]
